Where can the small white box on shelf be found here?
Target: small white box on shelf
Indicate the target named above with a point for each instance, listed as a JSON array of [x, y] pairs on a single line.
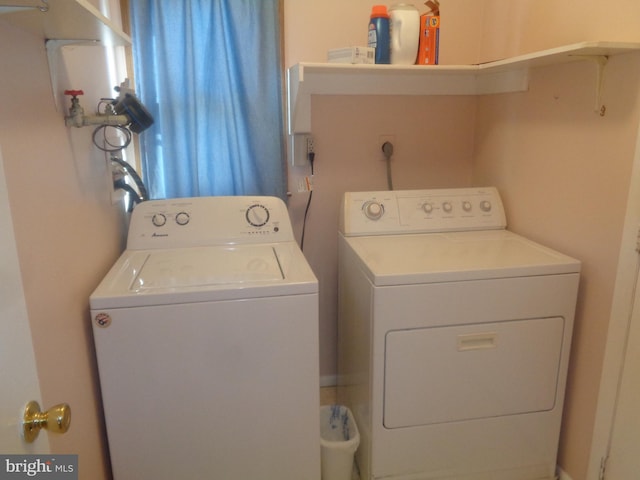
[[353, 55]]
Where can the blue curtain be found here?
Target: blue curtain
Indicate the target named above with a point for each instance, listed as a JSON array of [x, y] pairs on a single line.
[[209, 73]]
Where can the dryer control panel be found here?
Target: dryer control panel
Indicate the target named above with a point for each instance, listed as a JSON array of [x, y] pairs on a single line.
[[204, 221], [421, 211]]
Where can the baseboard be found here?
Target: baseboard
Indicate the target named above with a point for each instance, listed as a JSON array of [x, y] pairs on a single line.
[[328, 380], [562, 475]]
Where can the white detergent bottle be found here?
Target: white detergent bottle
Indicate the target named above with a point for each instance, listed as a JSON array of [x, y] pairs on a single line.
[[405, 33]]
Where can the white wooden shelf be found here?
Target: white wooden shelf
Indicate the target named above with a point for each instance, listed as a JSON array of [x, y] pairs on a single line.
[[64, 20], [510, 75]]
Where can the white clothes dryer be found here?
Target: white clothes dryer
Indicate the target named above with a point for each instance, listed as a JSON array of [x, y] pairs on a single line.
[[206, 336], [454, 337]]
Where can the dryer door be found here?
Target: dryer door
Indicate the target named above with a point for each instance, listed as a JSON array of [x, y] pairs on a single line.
[[453, 373]]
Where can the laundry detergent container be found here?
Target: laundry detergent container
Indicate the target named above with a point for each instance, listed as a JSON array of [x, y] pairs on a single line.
[[339, 440]]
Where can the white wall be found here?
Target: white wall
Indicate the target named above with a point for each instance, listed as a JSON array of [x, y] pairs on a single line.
[[563, 172], [550, 141], [515, 27], [67, 231]]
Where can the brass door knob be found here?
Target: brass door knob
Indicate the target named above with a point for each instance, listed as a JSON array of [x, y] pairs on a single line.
[[57, 420]]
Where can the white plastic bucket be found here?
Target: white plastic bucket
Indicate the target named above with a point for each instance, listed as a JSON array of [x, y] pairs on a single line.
[[339, 440]]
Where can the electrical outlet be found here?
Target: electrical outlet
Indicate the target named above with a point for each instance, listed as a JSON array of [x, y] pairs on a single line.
[[300, 145]]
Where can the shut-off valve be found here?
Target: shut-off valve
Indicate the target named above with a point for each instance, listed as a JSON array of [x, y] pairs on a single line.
[[124, 111]]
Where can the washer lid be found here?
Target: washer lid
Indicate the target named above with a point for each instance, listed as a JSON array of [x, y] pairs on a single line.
[[455, 256], [201, 274], [206, 266]]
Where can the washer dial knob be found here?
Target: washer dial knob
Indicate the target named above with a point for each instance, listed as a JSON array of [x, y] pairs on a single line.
[[373, 210], [257, 215], [447, 207], [466, 206], [158, 219], [182, 218], [427, 207]]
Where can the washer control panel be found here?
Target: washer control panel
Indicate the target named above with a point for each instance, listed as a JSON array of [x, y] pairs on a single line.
[[202, 221], [421, 211]]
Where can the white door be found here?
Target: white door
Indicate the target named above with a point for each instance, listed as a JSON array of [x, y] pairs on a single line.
[[617, 426], [18, 376], [624, 457]]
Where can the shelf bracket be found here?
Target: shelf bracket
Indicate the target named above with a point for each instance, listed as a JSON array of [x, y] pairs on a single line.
[[601, 62], [53, 58]]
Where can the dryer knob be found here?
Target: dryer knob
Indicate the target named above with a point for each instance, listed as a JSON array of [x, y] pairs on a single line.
[[485, 206], [373, 210]]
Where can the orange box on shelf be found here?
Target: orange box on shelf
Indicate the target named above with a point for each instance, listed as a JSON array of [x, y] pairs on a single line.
[[429, 40]]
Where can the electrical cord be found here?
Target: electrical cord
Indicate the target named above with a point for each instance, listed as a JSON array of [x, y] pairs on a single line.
[[312, 157]]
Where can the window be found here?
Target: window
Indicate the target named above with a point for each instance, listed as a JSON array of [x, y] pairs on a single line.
[[209, 71]]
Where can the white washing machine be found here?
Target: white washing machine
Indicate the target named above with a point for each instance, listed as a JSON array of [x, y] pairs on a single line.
[[206, 335], [454, 337]]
